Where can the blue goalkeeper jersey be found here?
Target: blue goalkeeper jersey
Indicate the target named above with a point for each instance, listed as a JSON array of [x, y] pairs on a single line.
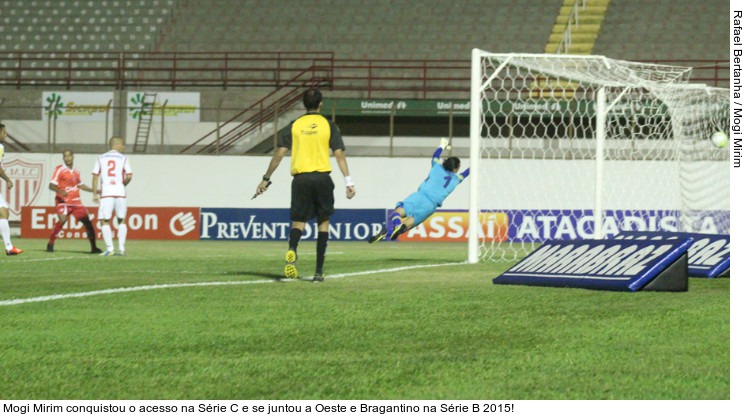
[[440, 183]]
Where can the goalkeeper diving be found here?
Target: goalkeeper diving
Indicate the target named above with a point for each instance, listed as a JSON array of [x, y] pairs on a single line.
[[442, 180]]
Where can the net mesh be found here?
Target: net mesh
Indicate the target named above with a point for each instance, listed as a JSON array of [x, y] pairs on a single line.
[[538, 151]]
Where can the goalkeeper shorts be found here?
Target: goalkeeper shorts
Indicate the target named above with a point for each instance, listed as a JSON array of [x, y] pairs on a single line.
[[418, 206]]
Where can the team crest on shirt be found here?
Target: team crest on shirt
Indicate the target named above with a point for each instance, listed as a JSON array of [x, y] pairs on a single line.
[[28, 178]]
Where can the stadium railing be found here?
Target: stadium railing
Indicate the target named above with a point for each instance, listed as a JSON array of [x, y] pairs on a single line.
[[183, 70], [271, 79]]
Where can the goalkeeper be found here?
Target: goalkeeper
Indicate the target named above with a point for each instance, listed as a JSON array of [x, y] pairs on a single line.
[[416, 208]]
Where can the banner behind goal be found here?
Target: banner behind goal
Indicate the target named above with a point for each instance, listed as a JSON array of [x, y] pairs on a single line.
[[571, 147]]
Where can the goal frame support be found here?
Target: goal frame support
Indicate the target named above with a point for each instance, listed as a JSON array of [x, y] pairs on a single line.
[[475, 144]]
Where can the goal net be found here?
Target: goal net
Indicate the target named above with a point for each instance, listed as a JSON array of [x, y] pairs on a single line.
[[580, 147]]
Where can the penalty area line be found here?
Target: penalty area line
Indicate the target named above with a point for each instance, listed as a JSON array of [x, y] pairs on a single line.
[[48, 298]]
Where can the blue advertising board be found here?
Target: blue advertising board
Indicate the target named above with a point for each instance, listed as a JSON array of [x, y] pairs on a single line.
[[274, 224], [628, 265], [544, 224], [709, 255]]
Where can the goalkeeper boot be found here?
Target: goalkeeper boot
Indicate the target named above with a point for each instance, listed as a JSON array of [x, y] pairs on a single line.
[[50, 247], [400, 229], [319, 277], [378, 237], [290, 269]]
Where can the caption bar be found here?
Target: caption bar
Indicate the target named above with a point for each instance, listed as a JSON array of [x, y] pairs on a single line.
[[736, 86]]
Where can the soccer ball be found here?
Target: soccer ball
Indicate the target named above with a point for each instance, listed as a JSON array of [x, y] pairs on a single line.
[[719, 139]]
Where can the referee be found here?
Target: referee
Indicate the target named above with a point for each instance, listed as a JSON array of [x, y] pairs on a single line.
[[310, 137]]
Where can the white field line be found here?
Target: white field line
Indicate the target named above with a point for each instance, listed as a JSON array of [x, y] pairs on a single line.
[[390, 270], [95, 257], [200, 284], [33, 260]]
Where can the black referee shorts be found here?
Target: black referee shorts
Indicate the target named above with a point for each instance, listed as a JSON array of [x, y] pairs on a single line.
[[312, 197]]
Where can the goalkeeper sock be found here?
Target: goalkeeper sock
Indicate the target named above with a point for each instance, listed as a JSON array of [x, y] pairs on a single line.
[[320, 250], [294, 238], [395, 220]]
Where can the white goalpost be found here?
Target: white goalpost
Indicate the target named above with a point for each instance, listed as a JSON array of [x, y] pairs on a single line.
[[583, 146]]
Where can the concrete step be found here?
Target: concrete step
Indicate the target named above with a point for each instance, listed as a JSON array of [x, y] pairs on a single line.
[[552, 88], [576, 48], [583, 28], [583, 19], [575, 37], [570, 3], [589, 10]]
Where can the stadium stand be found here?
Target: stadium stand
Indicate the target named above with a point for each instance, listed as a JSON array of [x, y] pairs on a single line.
[[38, 37], [82, 25], [351, 29], [641, 30], [359, 29]]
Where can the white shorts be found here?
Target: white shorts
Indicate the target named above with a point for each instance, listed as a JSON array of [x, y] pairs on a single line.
[[109, 205]]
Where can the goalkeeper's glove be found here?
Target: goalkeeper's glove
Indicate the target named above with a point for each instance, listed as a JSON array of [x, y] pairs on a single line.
[[444, 144]]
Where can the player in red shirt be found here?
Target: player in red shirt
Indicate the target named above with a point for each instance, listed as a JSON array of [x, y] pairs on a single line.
[[67, 184]]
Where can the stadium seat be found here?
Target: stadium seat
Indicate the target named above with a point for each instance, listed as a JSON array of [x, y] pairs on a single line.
[[359, 23], [82, 17], [632, 30]]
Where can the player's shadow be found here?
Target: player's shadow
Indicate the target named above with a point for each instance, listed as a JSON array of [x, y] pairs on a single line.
[[67, 252]]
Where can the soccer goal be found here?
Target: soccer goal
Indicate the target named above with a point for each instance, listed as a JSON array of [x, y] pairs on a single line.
[[583, 146]]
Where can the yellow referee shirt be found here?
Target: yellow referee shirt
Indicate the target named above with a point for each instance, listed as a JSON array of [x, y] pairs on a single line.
[[311, 137]]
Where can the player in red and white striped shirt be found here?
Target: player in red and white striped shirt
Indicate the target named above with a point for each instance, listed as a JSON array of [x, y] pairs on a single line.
[[112, 173], [67, 184]]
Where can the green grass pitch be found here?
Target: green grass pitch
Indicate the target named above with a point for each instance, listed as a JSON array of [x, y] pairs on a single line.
[[206, 320]]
